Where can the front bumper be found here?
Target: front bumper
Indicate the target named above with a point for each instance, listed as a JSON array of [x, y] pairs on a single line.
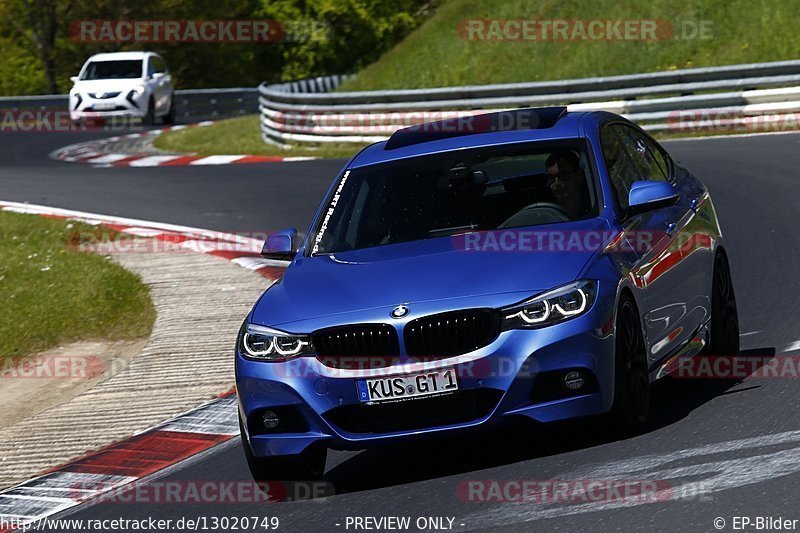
[[84, 106], [519, 375]]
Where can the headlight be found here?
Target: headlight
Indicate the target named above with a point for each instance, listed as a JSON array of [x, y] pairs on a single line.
[[266, 344], [551, 307]]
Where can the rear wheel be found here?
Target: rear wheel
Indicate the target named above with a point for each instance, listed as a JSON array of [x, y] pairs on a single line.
[[631, 380], [724, 315], [307, 466]]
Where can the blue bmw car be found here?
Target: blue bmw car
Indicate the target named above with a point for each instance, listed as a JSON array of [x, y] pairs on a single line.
[[533, 264]]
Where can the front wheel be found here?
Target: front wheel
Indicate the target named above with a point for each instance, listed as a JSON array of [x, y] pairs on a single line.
[[150, 116], [631, 379], [724, 315], [169, 118], [306, 466]]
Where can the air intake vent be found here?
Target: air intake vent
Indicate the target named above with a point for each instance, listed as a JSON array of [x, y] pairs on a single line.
[[450, 334]]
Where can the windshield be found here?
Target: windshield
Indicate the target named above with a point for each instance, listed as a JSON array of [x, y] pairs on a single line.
[[113, 70], [456, 192]]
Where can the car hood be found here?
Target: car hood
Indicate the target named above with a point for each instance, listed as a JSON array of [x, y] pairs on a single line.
[[422, 271], [95, 86]]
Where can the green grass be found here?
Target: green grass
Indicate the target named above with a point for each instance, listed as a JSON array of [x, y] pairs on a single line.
[[240, 135], [53, 294], [434, 55]]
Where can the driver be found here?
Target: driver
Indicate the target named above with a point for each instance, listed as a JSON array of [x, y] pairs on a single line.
[[567, 183]]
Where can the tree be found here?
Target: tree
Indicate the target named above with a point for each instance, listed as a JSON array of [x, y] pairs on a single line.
[[36, 22]]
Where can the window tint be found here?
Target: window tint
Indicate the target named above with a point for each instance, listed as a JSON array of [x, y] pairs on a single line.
[[659, 155], [641, 151], [631, 156], [113, 70], [621, 169], [445, 194]]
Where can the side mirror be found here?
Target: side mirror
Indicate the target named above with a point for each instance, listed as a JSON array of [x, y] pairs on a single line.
[[647, 195], [280, 245], [74, 79]]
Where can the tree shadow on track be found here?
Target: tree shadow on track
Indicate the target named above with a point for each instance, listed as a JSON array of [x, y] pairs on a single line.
[[671, 401]]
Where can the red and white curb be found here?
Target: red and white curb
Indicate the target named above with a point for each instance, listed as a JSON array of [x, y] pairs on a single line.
[[104, 153], [155, 449], [115, 466], [244, 251]]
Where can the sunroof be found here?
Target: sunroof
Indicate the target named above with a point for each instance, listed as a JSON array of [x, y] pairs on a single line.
[[517, 119]]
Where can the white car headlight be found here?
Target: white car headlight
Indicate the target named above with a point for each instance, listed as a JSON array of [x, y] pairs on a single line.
[[138, 91], [267, 344], [551, 307]]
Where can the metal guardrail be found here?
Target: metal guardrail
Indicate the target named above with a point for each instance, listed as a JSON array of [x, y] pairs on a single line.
[[191, 105], [307, 112]]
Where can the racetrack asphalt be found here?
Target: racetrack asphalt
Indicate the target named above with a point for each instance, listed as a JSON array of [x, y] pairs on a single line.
[[733, 447]]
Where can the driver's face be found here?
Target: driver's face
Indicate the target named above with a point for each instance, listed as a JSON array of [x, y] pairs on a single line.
[[562, 184]]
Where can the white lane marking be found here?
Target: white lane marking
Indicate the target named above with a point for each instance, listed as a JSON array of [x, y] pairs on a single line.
[[217, 160], [256, 263], [749, 333], [143, 232], [216, 418], [718, 475], [81, 156], [153, 160], [38, 505], [792, 347], [109, 158]]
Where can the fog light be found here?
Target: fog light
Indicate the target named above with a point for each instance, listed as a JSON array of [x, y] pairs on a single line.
[[270, 420], [573, 380]]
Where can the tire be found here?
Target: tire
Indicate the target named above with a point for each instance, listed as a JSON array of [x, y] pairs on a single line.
[[307, 466], [724, 314], [631, 378], [150, 117], [169, 118]]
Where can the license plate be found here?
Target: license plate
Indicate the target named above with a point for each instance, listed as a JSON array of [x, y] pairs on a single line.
[[411, 386], [104, 106]]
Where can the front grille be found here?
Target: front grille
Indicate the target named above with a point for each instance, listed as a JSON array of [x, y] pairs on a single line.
[[416, 413], [357, 346], [103, 96], [452, 333]]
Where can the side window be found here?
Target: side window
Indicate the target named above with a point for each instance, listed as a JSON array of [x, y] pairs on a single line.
[[643, 155], [159, 65], [661, 157], [151, 66], [621, 169]]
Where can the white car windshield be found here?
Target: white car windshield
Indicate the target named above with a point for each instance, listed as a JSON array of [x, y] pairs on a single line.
[[113, 70]]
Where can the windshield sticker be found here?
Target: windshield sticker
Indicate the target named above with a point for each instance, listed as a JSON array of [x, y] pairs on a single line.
[[334, 201]]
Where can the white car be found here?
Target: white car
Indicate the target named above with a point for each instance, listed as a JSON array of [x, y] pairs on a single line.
[[123, 84]]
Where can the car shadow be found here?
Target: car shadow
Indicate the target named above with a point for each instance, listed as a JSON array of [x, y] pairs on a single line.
[[671, 401]]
